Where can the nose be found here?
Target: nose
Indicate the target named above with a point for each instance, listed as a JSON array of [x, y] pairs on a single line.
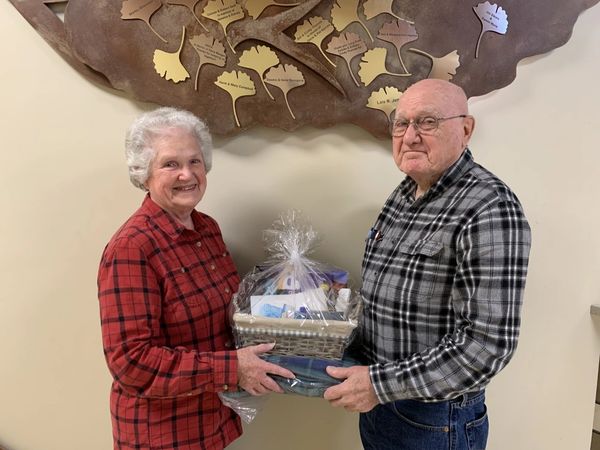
[[185, 172], [411, 134]]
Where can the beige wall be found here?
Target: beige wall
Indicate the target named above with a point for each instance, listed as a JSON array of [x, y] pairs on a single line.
[[64, 190]]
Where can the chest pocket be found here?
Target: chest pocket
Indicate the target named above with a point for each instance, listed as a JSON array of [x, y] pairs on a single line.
[[421, 247]]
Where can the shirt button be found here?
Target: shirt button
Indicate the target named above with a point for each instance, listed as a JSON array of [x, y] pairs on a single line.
[[212, 267], [228, 344], [227, 290], [182, 270], [198, 244], [224, 255], [225, 387]]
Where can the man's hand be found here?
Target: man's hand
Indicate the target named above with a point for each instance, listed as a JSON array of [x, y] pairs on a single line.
[[253, 372], [356, 393]]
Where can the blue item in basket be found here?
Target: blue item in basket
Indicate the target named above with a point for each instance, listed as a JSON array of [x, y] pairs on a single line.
[[268, 310]]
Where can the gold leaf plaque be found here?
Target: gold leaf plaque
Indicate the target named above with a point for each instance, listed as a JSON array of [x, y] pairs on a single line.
[[443, 68], [224, 12], [372, 65], [493, 18], [345, 12], [398, 33], [373, 8], [168, 65], [313, 31], [256, 7], [141, 10], [259, 59], [237, 84], [385, 100], [210, 51], [191, 5], [347, 45], [286, 77]]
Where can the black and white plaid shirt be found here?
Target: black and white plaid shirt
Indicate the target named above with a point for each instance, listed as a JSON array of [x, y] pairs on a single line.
[[443, 280]]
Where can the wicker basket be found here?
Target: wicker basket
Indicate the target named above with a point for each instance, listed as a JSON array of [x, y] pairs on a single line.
[[316, 338]]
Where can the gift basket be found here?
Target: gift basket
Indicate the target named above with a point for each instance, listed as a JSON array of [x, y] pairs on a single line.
[[304, 306]]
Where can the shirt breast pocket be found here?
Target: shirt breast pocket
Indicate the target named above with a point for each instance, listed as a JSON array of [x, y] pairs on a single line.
[[191, 286]]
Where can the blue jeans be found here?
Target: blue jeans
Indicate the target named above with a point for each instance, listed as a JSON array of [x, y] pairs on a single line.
[[458, 424]]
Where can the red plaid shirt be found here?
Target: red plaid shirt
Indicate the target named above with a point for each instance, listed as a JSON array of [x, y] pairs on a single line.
[[164, 295]]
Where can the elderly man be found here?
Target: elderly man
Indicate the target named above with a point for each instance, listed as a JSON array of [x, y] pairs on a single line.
[[443, 278]]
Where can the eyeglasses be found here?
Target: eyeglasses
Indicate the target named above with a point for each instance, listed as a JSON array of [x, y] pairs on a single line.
[[423, 125]]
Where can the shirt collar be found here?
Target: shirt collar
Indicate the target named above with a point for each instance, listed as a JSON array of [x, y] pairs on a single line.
[[163, 219], [450, 176]]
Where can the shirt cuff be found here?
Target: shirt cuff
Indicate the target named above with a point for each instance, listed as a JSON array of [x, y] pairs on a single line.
[[225, 376], [385, 383]]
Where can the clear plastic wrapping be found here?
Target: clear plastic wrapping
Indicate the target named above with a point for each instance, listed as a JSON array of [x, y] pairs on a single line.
[[306, 307]]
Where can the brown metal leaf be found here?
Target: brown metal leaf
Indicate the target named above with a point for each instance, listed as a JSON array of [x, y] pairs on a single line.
[[312, 31], [493, 18], [191, 5], [443, 68], [373, 8], [372, 65], [141, 10], [385, 100], [210, 51], [168, 65], [345, 12], [398, 33], [347, 46], [286, 77], [237, 84], [224, 12], [259, 58]]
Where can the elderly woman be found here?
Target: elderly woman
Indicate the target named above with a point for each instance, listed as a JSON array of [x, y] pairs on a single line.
[[165, 285]]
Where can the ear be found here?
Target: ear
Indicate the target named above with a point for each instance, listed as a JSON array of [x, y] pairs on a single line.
[[468, 128]]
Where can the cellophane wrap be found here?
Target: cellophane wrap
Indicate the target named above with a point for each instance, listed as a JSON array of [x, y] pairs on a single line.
[[306, 307]]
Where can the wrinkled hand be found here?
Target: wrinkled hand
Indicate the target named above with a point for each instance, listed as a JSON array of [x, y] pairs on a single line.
[[253, 372], [356, 393]]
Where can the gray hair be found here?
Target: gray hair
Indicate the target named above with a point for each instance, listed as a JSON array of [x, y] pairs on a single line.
[[141, 133]]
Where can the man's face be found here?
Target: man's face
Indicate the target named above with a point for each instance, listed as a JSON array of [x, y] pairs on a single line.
[[177, 176], [426, 156]]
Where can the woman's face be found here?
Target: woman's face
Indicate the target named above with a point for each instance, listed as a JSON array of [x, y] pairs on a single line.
[[177, 178]]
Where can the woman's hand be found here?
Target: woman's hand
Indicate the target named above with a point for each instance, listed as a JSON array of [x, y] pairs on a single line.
[[253, 372]]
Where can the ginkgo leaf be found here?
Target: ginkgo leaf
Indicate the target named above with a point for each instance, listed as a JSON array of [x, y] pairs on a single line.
[[191, 5], [286, 77], [347, 46], [210, 51], [372, 65], [313, 31], [141, 10], [443, 68], [259, 59], [493, 18], [256, 7], [385, 100], [168, 65], [345, 12], [398, 33], [224, 12], [373, 8], [237, 84]]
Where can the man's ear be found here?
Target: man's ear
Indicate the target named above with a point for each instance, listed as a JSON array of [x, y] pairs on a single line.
[[468, 128]]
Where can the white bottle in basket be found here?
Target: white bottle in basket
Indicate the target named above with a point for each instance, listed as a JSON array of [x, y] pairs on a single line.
[[343, 298]]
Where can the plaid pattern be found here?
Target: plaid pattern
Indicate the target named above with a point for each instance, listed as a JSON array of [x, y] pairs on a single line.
[[164, 295], [443, 280]]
